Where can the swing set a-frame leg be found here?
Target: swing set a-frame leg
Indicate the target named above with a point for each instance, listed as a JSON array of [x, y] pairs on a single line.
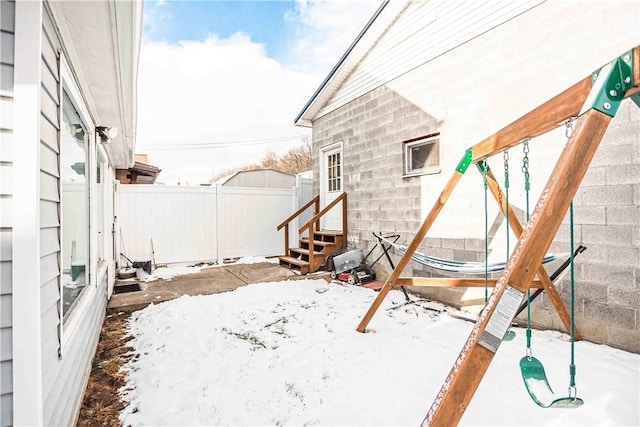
[[515, 225], [395, 274]]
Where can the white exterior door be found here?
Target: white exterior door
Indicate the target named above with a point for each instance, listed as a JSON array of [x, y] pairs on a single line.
[[331, 185]]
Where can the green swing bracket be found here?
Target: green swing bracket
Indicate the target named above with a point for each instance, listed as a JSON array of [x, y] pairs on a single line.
[[483, 167], [465, 161], [610, 84]]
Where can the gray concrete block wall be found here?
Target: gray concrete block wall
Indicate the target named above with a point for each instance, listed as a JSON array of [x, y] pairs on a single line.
[[372, 129], [607, 221], [607, 211]]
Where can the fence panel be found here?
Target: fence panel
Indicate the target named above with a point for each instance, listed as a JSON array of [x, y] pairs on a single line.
[[248, 220], [189, 224], [180, 220], [304, 188]]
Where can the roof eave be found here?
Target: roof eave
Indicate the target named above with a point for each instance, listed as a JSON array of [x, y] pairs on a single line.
[[102, 40]]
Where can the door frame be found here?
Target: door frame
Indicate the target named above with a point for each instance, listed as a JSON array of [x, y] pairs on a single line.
[[323, 173]]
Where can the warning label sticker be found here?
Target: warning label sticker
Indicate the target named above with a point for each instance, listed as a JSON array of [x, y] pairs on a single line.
[[501, 319]]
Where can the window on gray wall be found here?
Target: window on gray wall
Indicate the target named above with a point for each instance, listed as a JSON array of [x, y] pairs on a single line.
[[422, 155]]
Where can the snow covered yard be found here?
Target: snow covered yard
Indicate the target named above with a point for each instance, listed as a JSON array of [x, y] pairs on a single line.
[[287, 353]]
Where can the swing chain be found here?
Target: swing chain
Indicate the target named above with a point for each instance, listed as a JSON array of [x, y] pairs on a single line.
[[525, 163], [506, 168], [484, 172], [568, 126]]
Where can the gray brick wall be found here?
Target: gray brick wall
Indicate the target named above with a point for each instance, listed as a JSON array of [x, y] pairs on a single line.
[[372, 129], [607, 218], [607, 211]]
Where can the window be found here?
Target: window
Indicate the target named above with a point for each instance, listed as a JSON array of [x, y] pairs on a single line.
[[333, 172], [422, 155], [74, 155]]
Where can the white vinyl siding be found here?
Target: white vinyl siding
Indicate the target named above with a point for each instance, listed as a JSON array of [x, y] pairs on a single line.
[[426, 30], [63, 377], [7, 14], [49, 360]]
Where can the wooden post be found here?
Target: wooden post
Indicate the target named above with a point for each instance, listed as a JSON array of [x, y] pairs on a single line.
[[345, 231], [477, 353], [316, 210], [286, 240], [311, 247]]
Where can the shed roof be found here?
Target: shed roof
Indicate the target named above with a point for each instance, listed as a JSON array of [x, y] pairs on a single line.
[[227, 178]]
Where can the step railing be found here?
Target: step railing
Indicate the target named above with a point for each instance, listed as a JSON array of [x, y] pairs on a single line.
[[314, 224], [285, 224]]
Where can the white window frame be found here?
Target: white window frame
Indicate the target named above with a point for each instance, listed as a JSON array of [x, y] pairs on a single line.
[[103, 206], [72, 325], [408, 145]]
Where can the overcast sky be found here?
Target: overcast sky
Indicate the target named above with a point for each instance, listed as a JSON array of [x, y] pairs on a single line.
[[221, 82]]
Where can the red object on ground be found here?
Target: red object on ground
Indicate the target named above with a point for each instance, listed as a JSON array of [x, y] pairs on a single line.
[[375, 285]]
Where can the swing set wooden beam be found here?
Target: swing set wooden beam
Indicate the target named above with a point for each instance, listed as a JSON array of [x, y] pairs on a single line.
[[452, 282], [539, 121], [594, 104]]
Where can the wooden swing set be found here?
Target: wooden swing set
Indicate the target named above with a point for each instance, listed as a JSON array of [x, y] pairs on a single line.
[[593, 102]]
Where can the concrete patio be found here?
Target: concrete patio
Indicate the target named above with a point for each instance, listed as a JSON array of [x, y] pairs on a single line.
[[210, 280]]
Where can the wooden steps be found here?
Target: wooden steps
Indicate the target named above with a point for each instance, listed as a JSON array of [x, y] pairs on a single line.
[[325, 243]]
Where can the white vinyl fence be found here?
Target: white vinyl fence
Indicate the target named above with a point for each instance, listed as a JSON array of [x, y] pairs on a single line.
[[190, 224]]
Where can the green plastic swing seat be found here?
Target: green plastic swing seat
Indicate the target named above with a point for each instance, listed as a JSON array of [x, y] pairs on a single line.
[[509, 335], [535, 380]]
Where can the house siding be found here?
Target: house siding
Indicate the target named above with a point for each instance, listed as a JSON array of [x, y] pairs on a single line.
[[426, 30], [7, 14], [466, 104], [607, 217], [65, 371]]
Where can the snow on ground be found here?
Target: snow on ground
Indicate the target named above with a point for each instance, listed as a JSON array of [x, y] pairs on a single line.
[[287, 353], [168, 273], [256, 260]]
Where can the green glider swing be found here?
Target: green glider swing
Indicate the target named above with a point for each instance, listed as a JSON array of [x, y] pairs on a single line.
[[533, 373]]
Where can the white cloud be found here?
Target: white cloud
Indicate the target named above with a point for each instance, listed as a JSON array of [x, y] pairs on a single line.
[[197, 92], [326, 29]]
